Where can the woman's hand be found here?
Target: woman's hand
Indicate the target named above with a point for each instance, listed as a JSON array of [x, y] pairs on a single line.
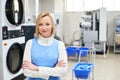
[[28, 65], [61, 63]]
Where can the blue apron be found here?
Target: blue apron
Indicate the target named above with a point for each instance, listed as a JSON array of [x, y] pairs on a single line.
[[44, 56]]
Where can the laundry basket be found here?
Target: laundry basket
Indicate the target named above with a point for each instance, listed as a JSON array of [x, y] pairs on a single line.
[[82, 70], [71, 50], [83, 52]]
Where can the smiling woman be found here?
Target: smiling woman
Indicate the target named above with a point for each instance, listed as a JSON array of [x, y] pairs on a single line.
[[14, 11], [45, 57]]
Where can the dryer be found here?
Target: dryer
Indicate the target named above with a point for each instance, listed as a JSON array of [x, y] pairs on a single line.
[[11, 54]]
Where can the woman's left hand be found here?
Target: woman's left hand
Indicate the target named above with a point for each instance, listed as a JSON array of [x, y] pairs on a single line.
[[61, 63], [28, 65]]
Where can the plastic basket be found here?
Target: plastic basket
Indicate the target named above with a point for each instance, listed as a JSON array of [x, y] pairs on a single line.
[[83, 50], [71, 51], [82, 70]]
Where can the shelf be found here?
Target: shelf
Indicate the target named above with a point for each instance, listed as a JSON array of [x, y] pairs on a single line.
[[116, 35], [116, 47], [117, 32]]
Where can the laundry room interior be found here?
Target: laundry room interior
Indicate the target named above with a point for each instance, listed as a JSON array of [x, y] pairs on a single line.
[[90, 33]]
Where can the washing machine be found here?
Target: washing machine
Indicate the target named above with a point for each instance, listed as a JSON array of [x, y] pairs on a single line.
[[11, 54]]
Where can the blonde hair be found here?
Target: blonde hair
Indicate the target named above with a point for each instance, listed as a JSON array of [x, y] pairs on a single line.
[[39, 17]]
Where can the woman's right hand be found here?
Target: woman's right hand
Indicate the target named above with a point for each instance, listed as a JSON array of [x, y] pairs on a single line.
[[28, 65]]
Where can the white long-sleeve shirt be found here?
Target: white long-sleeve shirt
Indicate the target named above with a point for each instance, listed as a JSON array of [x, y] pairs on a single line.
[[45, 72]]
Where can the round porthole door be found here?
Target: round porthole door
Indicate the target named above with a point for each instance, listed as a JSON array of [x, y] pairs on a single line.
[[14, 11], [14, 58]]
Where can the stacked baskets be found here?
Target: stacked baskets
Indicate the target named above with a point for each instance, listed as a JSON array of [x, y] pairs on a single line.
[[83, 51], [71, 50]]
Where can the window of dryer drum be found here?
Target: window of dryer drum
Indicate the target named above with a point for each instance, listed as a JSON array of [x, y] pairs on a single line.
[[14, 11], [14, 58]]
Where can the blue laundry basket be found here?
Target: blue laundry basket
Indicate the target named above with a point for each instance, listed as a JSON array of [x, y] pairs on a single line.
[[71, 51], [82, 70], [83, 51]]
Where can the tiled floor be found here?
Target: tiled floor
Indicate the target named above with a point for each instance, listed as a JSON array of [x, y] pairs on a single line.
[[104, 68]]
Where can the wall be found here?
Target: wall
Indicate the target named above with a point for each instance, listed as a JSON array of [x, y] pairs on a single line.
[[72, 20], [31, 9], [54, 6], [70, 25], [47, 5]]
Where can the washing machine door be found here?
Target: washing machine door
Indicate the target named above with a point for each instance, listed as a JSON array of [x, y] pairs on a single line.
[[14, 58]]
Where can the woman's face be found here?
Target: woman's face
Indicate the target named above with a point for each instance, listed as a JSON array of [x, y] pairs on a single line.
[[45, 26]]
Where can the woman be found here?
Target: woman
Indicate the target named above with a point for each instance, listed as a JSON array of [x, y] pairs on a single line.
[[45, 57]]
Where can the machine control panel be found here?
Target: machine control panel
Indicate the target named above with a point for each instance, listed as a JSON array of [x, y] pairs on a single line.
[[5, 32], [14, 33], [9, 34]]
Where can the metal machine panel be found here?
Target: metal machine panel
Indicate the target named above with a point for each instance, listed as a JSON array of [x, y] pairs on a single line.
[[90, 36], [103, 25]]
